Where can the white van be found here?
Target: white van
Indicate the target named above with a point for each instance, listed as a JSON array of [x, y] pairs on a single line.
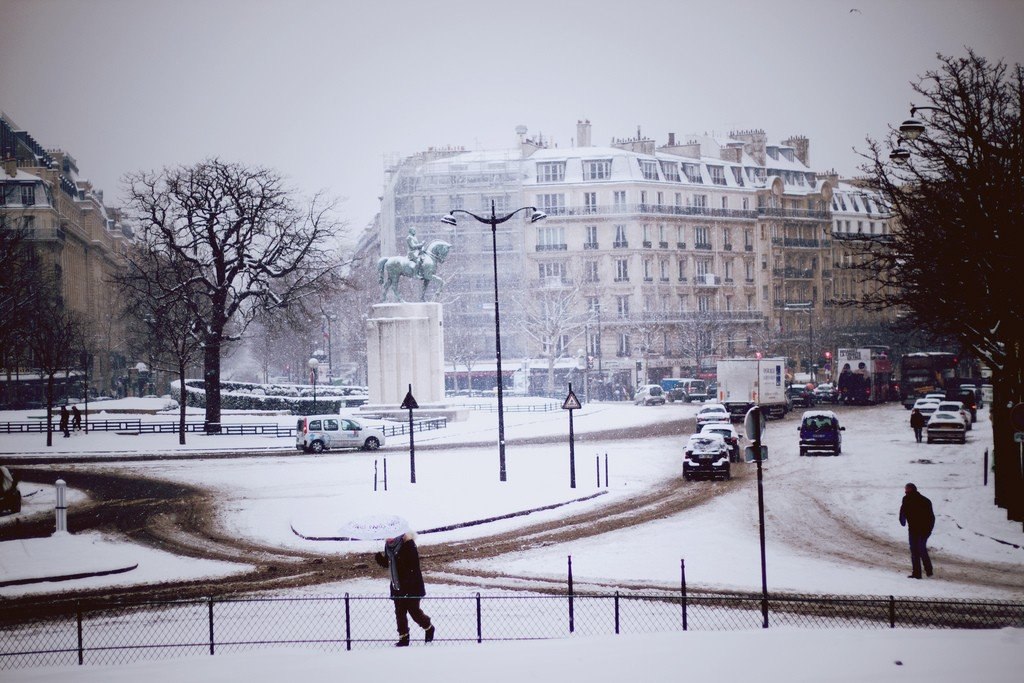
[[318, 433]]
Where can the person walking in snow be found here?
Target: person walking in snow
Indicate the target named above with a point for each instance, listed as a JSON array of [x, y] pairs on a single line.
[[917, 515], [76, 418], [401, 557], [917, 423], [64, 417]]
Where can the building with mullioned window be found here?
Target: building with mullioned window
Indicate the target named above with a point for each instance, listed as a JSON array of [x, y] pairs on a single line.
[[77, 238], [658, 259]]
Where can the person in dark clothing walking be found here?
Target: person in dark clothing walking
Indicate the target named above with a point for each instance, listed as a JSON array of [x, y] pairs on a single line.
[[917, 423], [64, 417], [916, 514], [76, 418], [402, 558]]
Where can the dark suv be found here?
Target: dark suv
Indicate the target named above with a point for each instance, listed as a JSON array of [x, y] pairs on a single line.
[[820, 431], [801, 397]]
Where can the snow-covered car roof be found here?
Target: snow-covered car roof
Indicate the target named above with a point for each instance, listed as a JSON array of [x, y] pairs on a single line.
[[710, 426], [819, 413], [706, 442], [944, 416], [713, 408]]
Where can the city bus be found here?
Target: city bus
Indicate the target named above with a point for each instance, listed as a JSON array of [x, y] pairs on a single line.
[[926, 371]]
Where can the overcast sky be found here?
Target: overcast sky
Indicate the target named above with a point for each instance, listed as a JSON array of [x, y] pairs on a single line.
[[324, 90]]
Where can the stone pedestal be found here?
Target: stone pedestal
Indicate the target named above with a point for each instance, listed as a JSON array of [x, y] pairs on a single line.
[[405, 345]]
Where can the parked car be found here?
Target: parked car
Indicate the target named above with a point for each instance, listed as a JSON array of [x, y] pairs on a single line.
[[728, 432], [826, 392], [706, 455], [649, 395], [927, 406], [945, 425], [956, 407], [820, 431], [800, 396], [10, 496], [969, 398], [712, 412], [318, 433]]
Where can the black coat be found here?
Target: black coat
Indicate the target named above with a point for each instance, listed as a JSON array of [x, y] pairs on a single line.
[[918, 420], [917, 515], [406, 578]]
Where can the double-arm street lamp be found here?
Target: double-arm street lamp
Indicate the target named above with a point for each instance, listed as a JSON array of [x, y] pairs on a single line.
[[494, 221], [910, 130]]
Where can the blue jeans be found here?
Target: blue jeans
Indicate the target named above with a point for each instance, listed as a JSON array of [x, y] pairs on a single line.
[[919, 554]]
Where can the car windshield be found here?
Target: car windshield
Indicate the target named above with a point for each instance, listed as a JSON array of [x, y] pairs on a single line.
[[818, 423], [946, 416]]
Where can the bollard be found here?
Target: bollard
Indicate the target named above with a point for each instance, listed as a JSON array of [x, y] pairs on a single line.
[[62, 507]]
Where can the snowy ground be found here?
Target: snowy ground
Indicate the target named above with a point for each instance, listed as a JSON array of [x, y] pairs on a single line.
[[831, 522]]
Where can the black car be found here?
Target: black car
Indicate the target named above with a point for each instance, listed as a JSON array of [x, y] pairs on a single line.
[[800, 397]]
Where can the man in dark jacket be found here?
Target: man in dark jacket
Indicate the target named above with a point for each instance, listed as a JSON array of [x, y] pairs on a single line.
[[916, 514], [402, 558], [64, 418], [917, 423]]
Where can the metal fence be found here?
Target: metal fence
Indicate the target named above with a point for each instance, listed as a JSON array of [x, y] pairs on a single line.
[[105, 633], [236, 429]]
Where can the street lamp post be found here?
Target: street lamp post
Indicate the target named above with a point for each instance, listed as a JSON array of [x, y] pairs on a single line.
[[494, 221], [313, 364], [910, 130]]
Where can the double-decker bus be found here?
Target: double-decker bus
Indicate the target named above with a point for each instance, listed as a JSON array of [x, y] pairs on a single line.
[[924, 372]]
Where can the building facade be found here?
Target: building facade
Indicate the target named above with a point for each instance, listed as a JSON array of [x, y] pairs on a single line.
[[77, 238], [653, 261]]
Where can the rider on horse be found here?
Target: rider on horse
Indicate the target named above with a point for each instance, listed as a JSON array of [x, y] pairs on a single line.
[[417, 250]]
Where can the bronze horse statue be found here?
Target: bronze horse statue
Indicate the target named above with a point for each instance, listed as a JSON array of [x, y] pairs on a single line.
[[392, 268]]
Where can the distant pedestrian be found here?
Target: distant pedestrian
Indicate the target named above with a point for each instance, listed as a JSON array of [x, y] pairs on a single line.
[[917, 515], [64, 417], [76, 418], [402, 558], [917, 423]]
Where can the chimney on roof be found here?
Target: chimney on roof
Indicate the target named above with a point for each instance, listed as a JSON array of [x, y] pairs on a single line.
[[802, 146], [671, 139], [583, 133], [11, 166]]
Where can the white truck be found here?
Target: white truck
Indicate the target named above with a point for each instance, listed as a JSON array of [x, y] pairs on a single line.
[[746, 382]]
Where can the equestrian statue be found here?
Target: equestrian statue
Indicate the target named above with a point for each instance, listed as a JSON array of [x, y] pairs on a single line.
[[421, 263]]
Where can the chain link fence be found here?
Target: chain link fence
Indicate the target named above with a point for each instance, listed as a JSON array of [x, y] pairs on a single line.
[[102, 633]]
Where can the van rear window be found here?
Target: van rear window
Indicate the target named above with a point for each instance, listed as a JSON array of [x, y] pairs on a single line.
[[314, 426]]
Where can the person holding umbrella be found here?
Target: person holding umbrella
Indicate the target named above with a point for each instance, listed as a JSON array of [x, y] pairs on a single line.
[[402, 559]]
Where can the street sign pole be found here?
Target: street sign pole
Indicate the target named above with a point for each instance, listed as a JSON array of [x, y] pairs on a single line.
[[408, 404], [754, 427], [571, 403]]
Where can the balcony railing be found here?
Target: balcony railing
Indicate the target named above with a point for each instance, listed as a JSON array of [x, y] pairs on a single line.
[[807, 214], [552, 247], [620, 244], [647, 244], [703, 246], [590, 245]]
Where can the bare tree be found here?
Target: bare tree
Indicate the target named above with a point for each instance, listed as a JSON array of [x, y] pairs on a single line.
[[553, 317], [951, 261], [700, 334], [241, 240], [161, 308], [54, 334]]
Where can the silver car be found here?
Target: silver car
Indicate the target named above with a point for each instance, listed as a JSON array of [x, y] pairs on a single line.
[[318, 433]]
